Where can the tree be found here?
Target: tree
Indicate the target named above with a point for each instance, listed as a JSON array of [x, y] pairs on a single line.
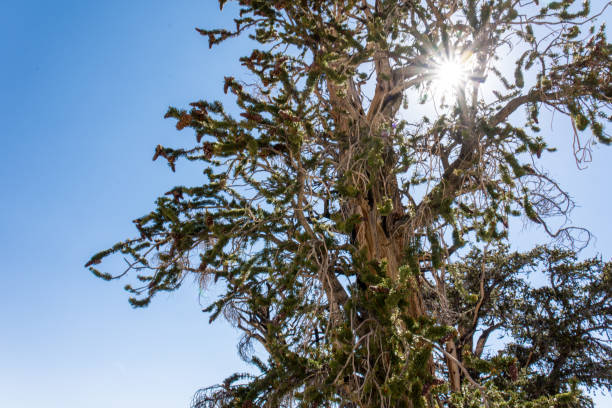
[[357, 206]]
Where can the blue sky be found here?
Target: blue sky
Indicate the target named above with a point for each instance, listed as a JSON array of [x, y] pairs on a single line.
[[84, 86]]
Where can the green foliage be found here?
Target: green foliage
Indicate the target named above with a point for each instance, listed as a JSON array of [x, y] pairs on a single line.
[[362, 246], [557, 331]]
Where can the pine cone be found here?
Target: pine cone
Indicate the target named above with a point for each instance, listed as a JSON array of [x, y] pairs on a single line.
[[208, 149]]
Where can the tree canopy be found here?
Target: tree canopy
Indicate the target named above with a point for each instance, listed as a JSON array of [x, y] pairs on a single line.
[[358, 202]]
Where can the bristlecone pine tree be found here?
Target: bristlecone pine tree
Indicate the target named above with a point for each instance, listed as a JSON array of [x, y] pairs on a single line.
[[357, 205]]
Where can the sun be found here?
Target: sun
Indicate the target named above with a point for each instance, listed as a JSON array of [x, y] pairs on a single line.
[[450, 74]]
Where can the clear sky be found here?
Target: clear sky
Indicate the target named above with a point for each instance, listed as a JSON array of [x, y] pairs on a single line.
[[83, 88]]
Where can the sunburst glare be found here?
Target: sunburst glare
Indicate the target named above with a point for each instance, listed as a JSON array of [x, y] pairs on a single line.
[[449, 76]]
